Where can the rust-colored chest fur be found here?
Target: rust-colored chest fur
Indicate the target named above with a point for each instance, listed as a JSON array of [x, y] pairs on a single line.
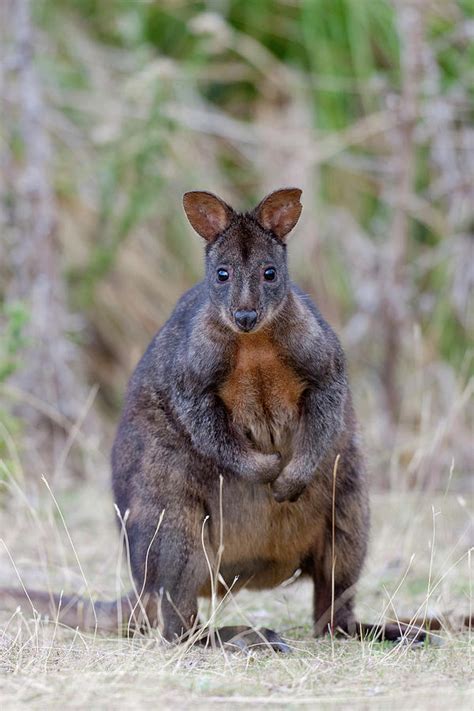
[[262, 393]]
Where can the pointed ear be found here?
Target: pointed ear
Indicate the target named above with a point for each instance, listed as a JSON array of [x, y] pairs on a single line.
[[279, 212], [208, 214]]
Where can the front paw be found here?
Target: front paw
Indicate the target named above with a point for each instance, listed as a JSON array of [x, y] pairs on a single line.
[[264, 468], [289, 486]]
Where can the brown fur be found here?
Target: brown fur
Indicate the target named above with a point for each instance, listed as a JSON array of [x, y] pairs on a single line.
[[233, 437], [262, 393]]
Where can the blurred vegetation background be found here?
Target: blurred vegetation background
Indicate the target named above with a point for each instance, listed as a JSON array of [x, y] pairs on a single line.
[[111, 110]]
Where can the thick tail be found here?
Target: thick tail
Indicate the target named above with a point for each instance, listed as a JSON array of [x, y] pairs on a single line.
[[117, 616], [415, 629], [128, 615]]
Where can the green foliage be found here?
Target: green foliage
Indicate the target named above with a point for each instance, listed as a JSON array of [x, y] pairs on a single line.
[[343, 57], [15, 318], [132, 161], [348, 43]]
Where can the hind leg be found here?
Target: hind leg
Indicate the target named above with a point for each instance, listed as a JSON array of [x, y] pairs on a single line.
[[169, 567], [333, 606], [337, 561], [158, 490], [335, 574], [172, 572]]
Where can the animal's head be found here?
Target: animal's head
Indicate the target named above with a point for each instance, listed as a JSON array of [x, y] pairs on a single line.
[[246, 264]]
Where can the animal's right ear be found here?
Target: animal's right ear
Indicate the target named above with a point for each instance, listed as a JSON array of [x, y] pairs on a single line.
[[208, 214]]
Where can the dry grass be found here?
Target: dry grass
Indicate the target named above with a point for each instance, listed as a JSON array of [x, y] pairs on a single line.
[[419, 562], [133, 123]]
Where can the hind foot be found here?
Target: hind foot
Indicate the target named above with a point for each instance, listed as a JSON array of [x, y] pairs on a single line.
[[390, 632], [246, 639]]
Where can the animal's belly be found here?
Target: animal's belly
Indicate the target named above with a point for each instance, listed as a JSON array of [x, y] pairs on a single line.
[[265, 541], [256, 574]]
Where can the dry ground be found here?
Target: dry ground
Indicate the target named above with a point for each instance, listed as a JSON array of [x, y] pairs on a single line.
[[419, 561]]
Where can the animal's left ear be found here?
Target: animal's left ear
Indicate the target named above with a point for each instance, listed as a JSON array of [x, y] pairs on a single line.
[[279, 212]]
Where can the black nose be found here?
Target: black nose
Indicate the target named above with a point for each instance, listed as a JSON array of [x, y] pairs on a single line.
[[245, 320]]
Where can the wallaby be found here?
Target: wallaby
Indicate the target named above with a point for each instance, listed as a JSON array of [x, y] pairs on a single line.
[[238, 443]]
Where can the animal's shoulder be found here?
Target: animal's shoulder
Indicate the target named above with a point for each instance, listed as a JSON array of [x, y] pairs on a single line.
[[166, 347], [187, 307], [310, 310], [309, 335]]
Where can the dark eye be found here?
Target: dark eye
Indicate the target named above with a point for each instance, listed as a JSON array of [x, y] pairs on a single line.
[[222, 275], [270, 274]]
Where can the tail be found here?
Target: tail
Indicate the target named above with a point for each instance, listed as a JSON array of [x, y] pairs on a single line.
[[413, 629], [115, 616], [128, 615]]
